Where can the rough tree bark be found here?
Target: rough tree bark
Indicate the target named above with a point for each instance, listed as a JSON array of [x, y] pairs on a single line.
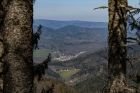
[[117, 47], [18, 46], [1, 46]]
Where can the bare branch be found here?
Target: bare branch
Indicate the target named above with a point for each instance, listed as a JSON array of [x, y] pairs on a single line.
[[101, 7]]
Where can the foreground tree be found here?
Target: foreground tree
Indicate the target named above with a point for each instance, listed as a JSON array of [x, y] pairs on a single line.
[[1, 47], [117, 56], [17, 33]]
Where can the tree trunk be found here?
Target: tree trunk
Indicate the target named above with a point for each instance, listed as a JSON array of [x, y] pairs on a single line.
[[18, 46], [117, 47], [1, 46]]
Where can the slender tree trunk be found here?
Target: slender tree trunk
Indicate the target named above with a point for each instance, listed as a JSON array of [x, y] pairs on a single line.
[[117, 47], [18, 46]]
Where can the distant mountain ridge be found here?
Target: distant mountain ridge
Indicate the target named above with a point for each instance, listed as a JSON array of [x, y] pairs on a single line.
[[56, 24], [73, 38], [69, 38]]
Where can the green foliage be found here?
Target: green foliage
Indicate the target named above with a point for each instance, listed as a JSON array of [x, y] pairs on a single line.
[[40, 53], [36, 37], [134, 24], [67, 73], [39, 69]]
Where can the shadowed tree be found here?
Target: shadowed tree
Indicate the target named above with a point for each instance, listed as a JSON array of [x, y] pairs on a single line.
[[134, 24], [17, 33], [36, 37], [117, 53], [39, 69]]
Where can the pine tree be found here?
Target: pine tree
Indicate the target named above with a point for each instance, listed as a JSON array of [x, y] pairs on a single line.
[[117, 52]]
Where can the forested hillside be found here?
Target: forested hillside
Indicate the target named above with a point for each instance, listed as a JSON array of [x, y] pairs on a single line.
[[79, 56], [101, 55]]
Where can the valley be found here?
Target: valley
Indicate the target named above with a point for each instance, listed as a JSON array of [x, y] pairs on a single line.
[[79, 53]]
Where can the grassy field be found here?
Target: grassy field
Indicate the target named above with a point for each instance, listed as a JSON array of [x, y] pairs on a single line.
[[67, 73], [41, 53]]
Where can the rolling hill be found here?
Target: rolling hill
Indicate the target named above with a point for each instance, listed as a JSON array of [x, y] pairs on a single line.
[[79, 54], [56, 24], [71, 40]]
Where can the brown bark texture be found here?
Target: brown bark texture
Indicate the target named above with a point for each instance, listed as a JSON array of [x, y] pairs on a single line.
[[117, 51], [17, 33]]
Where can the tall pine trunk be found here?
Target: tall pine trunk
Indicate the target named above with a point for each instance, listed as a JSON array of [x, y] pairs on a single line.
[[18, 45], [117, 47]]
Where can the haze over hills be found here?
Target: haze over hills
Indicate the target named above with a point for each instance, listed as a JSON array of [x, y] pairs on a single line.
[[71, 39], [79, 54], [55, 24]]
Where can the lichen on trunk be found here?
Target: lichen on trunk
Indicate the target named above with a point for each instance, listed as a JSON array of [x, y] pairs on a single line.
[[18, 46], [117, 52]]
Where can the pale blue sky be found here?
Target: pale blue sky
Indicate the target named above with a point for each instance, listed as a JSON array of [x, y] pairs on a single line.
[[73, 9]]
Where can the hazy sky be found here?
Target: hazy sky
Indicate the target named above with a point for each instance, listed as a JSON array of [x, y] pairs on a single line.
[[73, 9]]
